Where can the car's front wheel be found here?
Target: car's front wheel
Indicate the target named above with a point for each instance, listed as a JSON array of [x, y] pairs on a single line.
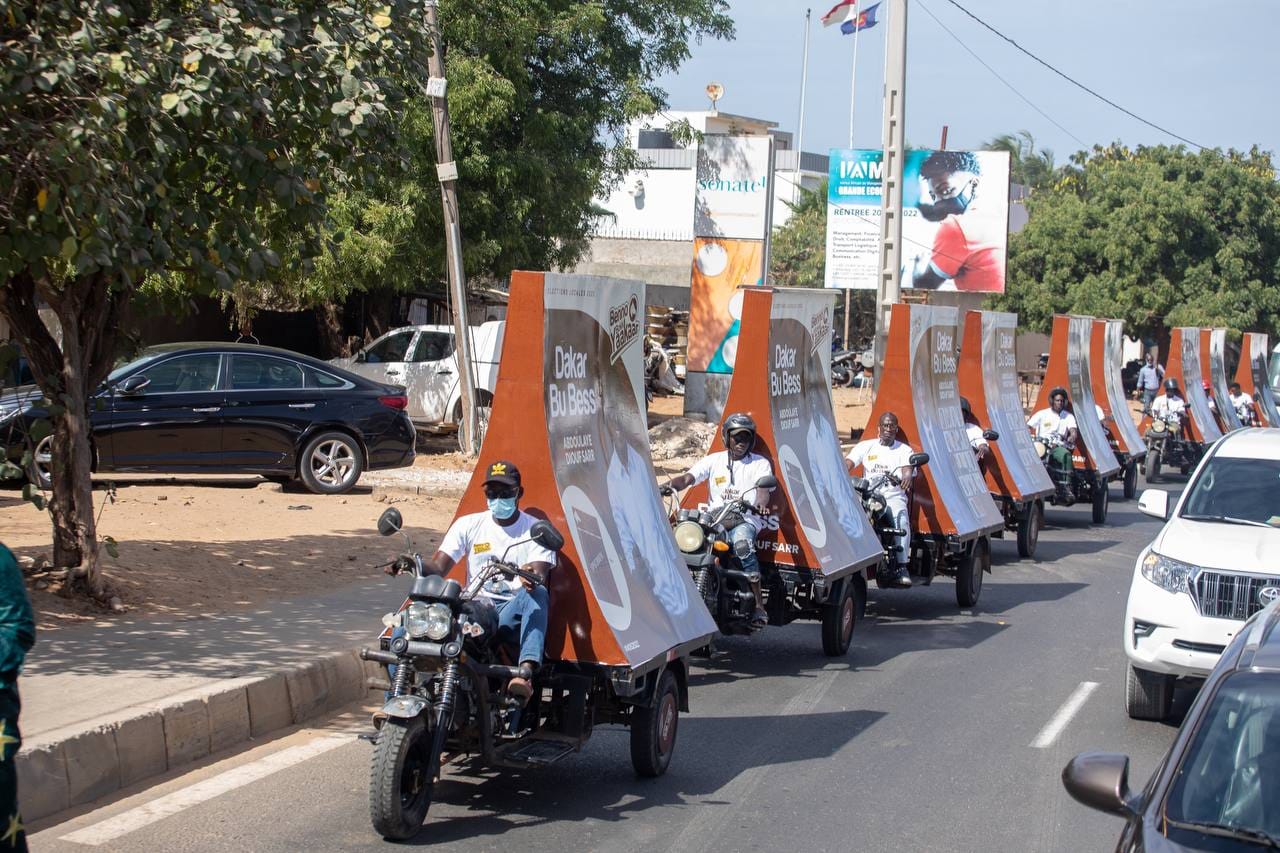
[[40, 468], [1147, 695], [331, 463]]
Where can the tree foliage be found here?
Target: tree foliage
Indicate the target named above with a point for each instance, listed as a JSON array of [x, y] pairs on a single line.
[[540, 93], [1158, 237], [164, 135], [1027, 166], [797, 257]]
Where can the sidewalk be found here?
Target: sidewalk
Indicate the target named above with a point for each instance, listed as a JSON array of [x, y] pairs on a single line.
[[104, 708]]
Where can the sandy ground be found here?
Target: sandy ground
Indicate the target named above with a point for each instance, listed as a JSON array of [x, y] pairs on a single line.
[[219, 543]]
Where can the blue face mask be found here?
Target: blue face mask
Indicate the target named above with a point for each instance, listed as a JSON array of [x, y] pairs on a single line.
[[502, 508]]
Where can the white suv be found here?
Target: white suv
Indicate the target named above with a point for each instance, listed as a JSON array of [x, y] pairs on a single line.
[[1213, 565]]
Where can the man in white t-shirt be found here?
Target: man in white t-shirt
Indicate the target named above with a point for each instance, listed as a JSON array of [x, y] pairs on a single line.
[[481, 537], [1170, 403], [887, 455], [1056, 423], [974, 432], [729, 473], [1242, 403]]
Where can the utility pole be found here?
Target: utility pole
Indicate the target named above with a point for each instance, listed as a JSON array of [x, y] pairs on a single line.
[[889, 284], [447, 174]]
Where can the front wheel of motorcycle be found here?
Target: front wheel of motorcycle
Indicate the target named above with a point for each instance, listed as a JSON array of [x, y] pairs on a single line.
[[1152, 466], [400, 786]]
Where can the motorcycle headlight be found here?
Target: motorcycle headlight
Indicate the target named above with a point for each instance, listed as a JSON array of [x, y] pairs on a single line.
[[875, 504], [1158, 426], [689, 536], [1168, 574], [432, 621], [1041, 449]]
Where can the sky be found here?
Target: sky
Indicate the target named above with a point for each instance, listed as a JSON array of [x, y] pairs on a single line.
[[1205, 71]]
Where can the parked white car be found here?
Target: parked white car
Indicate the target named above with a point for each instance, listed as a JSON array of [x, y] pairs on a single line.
[[1213, 565], [424, 360]]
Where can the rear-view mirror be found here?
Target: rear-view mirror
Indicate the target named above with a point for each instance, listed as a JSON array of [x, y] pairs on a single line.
[[918, 459], [1099, 780], [546, 535], [361, 357], [990, 435], [390, 522], [134, 384], [768, 481], [1155, 503]]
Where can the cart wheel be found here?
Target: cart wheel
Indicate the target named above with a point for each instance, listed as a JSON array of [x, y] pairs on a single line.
[[839, 618], [1101, 501], [653, 729], [1152, 467], [969, 572], [1131, 480], [1029, 529]]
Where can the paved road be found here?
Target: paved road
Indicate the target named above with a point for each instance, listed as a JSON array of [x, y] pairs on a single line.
[[920, 740]]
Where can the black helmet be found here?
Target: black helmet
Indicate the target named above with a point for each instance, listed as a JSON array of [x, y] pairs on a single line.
[[1171, 385], [738, 422], [1059, 390]]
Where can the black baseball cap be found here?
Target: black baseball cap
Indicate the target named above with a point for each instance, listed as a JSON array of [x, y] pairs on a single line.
[[502, 472]]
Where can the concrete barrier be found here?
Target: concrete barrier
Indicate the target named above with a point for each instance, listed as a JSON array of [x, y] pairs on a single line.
[[75, 766]]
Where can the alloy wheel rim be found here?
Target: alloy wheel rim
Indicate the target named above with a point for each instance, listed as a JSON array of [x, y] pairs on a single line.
[[43, 458], [332, 462], [667, 724]]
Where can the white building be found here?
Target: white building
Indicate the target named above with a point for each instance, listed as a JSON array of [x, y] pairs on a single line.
[[649, 232]]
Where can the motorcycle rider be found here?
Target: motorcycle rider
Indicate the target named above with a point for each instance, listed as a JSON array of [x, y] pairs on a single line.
[[974, 431], [729, 473], [1057, 422], [879, 456], [481, 537], [1242, 403], [1170, 403]]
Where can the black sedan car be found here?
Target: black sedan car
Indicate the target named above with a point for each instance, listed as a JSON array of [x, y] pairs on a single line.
[[1219, 786], [229, 409]]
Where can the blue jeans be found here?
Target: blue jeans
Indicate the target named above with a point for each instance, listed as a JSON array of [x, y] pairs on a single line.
[[743, 537], [522, 620]]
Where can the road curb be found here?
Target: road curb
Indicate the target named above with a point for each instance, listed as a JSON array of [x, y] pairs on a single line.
[[77, 765]]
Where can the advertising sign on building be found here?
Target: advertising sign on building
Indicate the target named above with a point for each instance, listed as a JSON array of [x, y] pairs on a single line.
[[955, 219], [730, 221]]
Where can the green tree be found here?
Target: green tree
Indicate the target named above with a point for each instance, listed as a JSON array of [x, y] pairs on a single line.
[[1027, 166], [162, 135], [1158, 237], [540, 94], [797, 256]]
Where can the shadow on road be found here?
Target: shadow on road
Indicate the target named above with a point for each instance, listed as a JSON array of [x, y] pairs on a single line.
[[501, 801]]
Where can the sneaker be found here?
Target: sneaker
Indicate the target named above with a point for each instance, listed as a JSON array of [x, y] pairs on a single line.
[[760, 618], [903, 577], [520, 689]]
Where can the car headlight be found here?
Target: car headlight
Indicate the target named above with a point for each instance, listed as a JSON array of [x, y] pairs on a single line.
[[1166, 573], [689, 536], [432, 621]]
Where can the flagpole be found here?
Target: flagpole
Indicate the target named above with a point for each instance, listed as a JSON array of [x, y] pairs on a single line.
[[804, 81], [853, 75]]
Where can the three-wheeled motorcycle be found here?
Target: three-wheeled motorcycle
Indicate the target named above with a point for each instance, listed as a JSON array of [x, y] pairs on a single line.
[[447, 697], [702, 535], [1168, 445]]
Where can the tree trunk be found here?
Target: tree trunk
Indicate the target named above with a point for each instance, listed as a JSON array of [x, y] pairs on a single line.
[[329, 325], [89, 312]]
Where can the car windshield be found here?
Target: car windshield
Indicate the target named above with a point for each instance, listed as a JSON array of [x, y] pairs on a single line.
[[1229, 778], [1245, 491], [145, 357]]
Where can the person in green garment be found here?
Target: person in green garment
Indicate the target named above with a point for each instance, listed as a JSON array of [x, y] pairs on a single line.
[[17, 634]]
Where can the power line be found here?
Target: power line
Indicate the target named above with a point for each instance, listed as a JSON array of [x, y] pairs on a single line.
[[1075, 82], [996, 74]]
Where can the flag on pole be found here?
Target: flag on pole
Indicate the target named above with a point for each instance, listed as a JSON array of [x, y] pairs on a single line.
[[864, 20], [840, 13]]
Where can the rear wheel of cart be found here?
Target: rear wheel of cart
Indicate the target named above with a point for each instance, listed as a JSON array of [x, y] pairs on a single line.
[[1152, 467], [1029, 529], [1101, 502], [969, 572], [653, 729], [839, 618], [1131, 480]]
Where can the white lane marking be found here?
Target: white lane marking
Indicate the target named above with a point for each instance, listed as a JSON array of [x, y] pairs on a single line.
[[1069, 709], [171, 804]]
